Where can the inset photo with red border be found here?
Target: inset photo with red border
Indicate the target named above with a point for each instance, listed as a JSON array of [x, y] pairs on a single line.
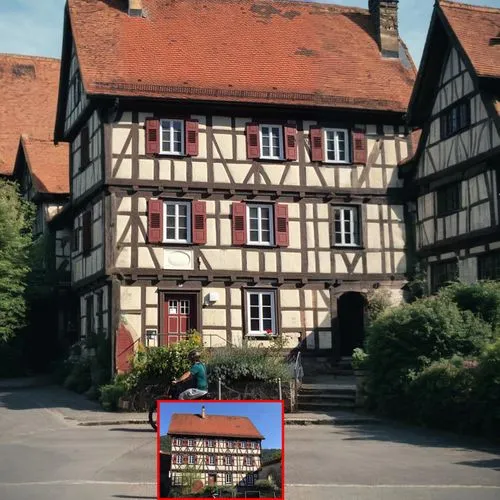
[[220, 449]]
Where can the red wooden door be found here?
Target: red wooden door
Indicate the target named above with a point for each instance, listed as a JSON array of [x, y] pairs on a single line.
[[179, 316]]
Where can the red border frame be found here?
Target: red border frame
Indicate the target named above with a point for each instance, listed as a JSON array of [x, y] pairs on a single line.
[[208, 402]]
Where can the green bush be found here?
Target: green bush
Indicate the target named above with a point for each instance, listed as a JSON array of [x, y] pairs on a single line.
[[110, 394], [482, 299], [486, 402], [442, 393], [79, 379], [246, 364], [406, 339], [160, 365]]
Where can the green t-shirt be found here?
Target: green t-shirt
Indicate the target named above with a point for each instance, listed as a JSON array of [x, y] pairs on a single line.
[[199, 374]]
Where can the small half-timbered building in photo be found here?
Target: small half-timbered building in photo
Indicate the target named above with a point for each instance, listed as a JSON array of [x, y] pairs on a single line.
[[454, 177], [217, 444], [233, 168]]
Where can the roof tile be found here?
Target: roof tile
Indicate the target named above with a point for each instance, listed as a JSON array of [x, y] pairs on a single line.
[[474, 27], [28, 104], [213, 425], [238, 50]]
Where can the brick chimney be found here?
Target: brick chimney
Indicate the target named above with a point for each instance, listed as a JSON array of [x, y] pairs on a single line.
[[385, 18], [135, 8], [203, 414]]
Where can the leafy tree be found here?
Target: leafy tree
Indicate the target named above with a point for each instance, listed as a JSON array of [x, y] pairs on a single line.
[[16, 218]]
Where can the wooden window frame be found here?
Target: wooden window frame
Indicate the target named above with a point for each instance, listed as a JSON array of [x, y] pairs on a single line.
[[248, 462], [347, 151], [172, 152], [355, 230], [274, 317], [272, 236], [177, 203], [189, 460], [271, 156], [211, 460], [191, 442], [230, 475], [433, 265], [488, 260], [228, 460], [445, 195], [178, 459], [463, 118]]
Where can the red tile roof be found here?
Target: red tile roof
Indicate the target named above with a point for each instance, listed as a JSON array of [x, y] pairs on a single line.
[[474, 27], [283, 52], [27, 104], [48, 165], [213, 426]]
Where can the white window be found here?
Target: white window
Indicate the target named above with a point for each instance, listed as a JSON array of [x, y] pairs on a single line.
[[178, 459], [261, 314], [337, 145], [177, 222], [191, 459], [172, 137], [346, 226], [229, 478], [211, 460], [250, 480], [176, 479], [178, 441], [190, 441], [271, 142], [211, 443], [260, 224], [248, 461], [228, 460]]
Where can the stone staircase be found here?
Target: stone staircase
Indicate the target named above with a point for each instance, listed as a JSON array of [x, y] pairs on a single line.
[[327, 393]]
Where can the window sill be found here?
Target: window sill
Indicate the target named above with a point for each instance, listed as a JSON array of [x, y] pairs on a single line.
[[260, 246], [344, 163], [173, 155], [260, 336], [348, 247]]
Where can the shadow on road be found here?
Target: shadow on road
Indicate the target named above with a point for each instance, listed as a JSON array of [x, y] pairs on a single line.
[[417, 436], [493, 463], [46, 397]]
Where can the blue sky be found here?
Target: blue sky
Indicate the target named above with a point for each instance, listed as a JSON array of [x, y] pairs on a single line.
[[35, 26], [265, 416]]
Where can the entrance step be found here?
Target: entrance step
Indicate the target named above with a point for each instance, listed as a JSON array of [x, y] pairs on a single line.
[[327, 393]]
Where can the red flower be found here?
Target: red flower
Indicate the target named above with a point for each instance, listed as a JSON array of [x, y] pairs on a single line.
[[269, 331]]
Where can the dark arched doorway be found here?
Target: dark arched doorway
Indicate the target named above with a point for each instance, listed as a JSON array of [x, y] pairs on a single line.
[[351, 314]]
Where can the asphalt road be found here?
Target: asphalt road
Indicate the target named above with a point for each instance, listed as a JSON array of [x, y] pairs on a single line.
[[46, 457]]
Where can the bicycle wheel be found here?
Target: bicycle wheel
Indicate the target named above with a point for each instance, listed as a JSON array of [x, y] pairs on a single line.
[[152, 414]]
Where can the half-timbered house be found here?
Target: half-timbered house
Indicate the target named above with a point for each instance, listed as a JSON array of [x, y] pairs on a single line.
[[455, 174], [234, 167], [214, 450]]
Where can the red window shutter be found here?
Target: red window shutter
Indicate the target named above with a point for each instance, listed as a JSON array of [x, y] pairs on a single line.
[[192, 138], [199, 222], [196, 459], [316, 137], [290, 143], [184, 459], [184, 442], [207, 460], [155, 221], [87, 232], [173, 458], [281, 219], [253, 143], [239, 224], [359, 147], [152, 136]]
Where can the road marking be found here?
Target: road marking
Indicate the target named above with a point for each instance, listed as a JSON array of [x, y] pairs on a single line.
[[401, 486], [79, 483]]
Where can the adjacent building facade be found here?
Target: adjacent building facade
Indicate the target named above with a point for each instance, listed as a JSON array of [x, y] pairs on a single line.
[[241, 203], [214, 450], [455, 175]]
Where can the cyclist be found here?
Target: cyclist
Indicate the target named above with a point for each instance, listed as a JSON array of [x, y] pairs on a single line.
[[198, 373]]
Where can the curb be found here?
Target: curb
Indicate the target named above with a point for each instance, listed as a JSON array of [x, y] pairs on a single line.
[[291, 422]]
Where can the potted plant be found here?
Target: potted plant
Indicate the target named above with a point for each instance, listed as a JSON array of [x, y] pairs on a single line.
[[359, 364]]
